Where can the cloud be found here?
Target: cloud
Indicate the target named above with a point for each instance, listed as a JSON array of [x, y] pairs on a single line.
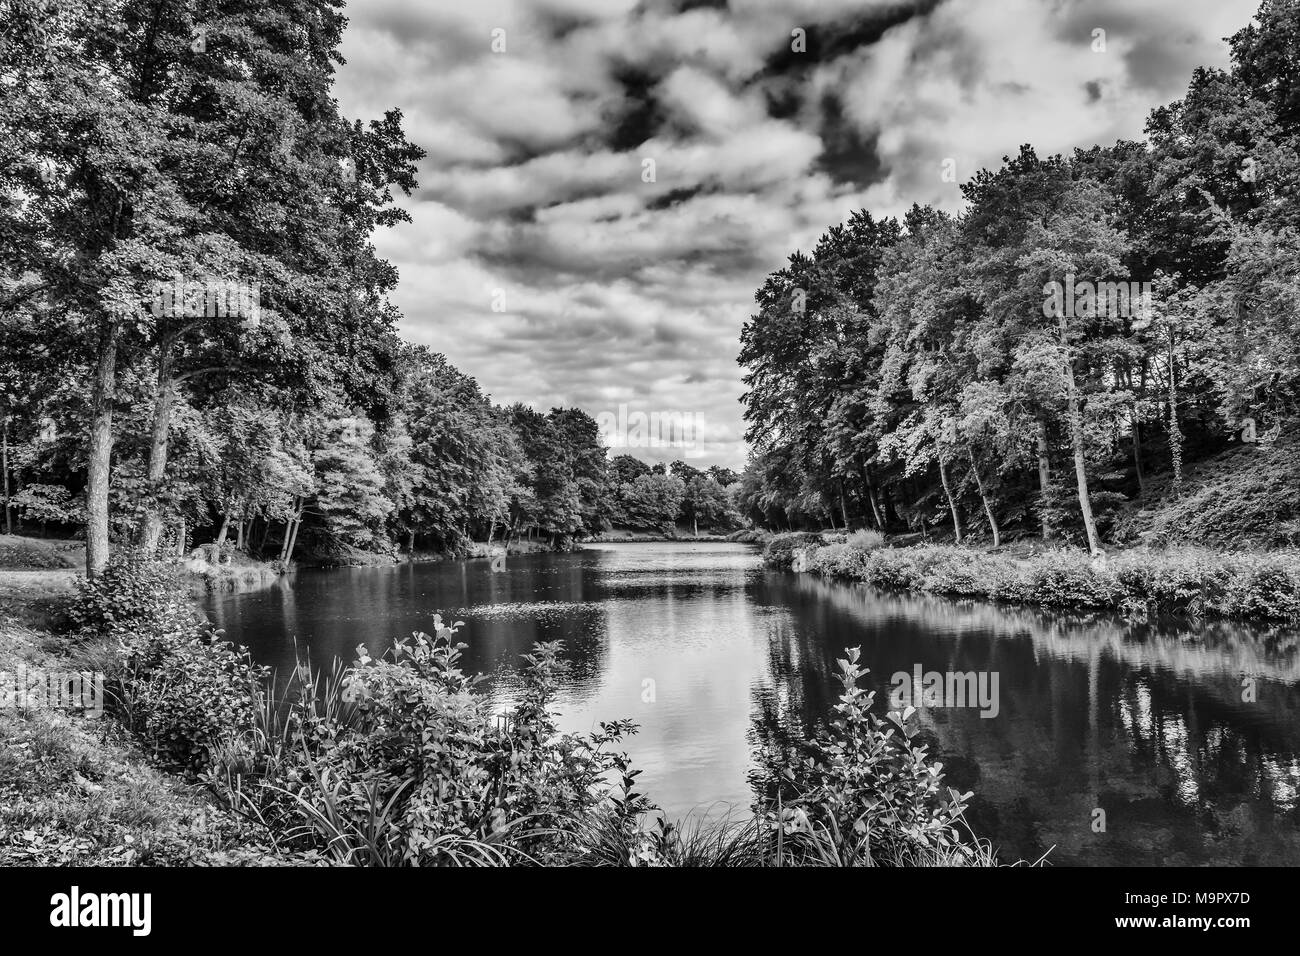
[[619, 290]]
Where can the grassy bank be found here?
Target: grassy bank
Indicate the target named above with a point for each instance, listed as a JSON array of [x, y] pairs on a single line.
[[399, 762], [1143, 581], [82, 791]]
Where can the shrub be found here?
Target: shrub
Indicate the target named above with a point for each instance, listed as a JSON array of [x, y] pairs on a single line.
[[170, 678], [183, 688], [132, 588], [780, 549], [864, 794], [1264, 586], [866, 540], [1069, 579]]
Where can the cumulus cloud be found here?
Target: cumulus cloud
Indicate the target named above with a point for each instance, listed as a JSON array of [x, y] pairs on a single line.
[[625, 288]]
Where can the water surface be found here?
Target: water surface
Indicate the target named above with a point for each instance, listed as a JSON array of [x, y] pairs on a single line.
[[715, 656]]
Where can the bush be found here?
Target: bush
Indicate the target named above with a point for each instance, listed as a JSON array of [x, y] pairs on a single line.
[[183, 688], [780, 549], [131, 589], [866, 540], [863, 794], [170, 678], [1069, 579]]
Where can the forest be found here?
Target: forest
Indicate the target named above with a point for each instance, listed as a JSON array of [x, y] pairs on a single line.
[[196, 337], [1102, 347]]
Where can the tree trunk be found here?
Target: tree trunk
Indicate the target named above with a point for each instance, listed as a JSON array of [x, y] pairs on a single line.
[[988, 507], [225, 527], [1175, 432], [293, 541], [4, 467], [952, 504], [1137, 456], [291, 530], [99, 452], [180, 541], [871, 497], [152, 523], [1044, 477], [288, 530], [1080, 462], [410, 542], [844, 509]]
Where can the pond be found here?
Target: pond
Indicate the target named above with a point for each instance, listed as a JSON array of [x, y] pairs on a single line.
[[1185, 736]]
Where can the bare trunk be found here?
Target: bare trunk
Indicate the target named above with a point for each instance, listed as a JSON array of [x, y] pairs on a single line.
[[1175, 432], [988, 507], [225, 527], [293, 541], [4, 467], [152, 523], [1044, 477], [180, 539], [952, 504], [288, 530], [291, 530], [1080, 462], [1137, 456], [99, 452], [871, 498]]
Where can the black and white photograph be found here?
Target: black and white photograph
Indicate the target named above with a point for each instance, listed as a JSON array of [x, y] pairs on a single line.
[[650, 434]]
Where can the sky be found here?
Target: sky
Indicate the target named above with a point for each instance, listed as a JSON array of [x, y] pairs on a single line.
[[608, 182]]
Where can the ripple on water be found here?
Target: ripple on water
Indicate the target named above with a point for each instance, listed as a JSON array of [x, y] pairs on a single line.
[[531, 609]]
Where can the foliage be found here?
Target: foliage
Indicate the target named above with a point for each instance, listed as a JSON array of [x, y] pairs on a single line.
[[780, 549], [1139, 582], [864, 794], [131, 590]]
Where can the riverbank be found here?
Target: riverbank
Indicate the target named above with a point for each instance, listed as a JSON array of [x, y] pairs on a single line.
[[1241, 585], [78, 790]]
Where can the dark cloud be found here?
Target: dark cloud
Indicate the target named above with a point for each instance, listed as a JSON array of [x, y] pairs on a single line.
[[829, 40], [848, 153], [638, 114]]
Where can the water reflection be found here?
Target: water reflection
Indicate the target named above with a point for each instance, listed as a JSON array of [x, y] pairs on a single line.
[[715, 656]]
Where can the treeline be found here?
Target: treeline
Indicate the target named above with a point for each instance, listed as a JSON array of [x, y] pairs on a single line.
[[1068, 348], [196, 342]]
